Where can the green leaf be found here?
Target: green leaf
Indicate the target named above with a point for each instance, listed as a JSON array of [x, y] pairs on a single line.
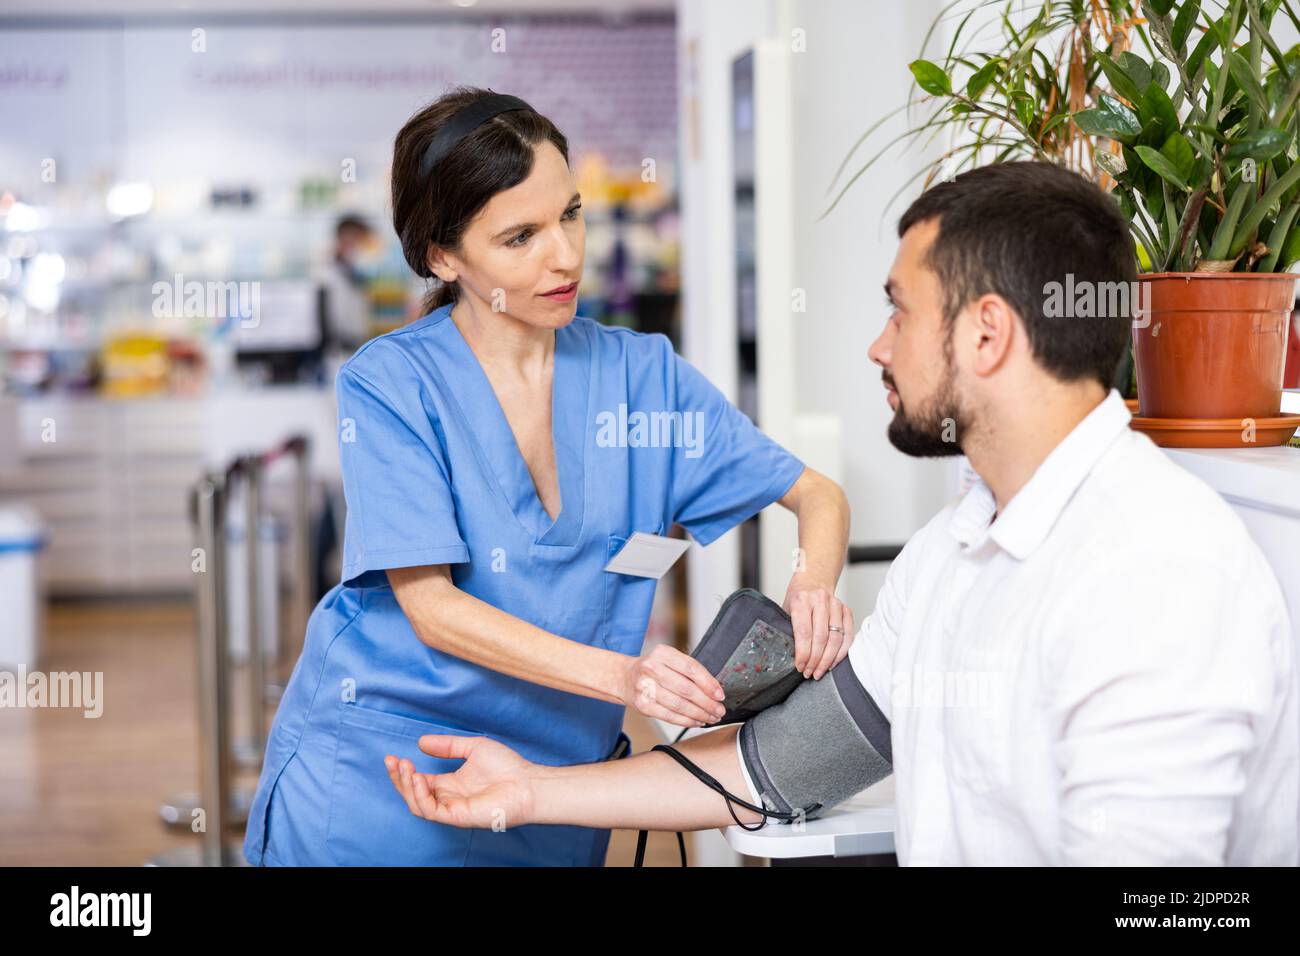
[[1290, 250], [1187, 14], [1137, 169], [1262, 145], [1121, 82], [1209, 131], [1054, 122], [1126, 206], [1137, 70], [1024, 106], [1277, 237], [1160, 75], [1157, 115], [982, 77], [1292, 194], [1167, 170], [1218, 250], [1211, 74], [1248, 82], [1203, 169], [1275, 86], [1231, 119], [1154, 200], [1208, 41], [1255, 215], [1109, 118], [1112, 163], [930, 78], [1161, 7], [1180, 153]]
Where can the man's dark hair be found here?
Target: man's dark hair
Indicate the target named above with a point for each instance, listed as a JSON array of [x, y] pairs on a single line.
[[1014, 228]]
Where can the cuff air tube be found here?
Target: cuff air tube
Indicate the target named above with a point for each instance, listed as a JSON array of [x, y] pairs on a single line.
[[807, 745]]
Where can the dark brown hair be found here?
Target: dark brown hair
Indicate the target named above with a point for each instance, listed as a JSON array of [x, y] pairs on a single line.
[[1014, 228], [494, 157]]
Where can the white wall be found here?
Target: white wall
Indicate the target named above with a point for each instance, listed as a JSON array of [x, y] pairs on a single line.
[[269, 102], [710, 34], [853, 71]]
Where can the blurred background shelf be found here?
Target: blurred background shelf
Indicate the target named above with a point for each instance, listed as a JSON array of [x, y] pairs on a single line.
[[110, 479]]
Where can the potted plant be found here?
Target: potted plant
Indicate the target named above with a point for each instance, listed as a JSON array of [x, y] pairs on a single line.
[[1189, 117]]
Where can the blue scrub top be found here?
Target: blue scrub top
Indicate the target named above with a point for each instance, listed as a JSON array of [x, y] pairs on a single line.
[[432, 475]]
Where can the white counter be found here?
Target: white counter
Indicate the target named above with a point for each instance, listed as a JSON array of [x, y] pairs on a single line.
[[1259, 478], [1263, 487], [111, 478]]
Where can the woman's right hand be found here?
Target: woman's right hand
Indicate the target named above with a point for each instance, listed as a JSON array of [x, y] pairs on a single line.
[[674, 687]]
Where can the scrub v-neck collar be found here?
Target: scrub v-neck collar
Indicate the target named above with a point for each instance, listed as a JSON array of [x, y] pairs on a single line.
[[570, 386]]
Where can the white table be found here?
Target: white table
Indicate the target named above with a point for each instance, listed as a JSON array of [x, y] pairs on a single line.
[[861, 826]]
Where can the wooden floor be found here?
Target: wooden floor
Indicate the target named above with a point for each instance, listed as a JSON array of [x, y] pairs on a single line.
[[85, 791], [78, 791]]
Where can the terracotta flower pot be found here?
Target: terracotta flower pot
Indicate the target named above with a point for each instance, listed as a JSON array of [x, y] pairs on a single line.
[[1215, 343]]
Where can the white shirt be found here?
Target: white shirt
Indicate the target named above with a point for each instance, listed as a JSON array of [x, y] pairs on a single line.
[[1103, 675]]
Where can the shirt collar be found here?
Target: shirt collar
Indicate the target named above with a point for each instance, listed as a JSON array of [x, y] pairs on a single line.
[[1024, 524]]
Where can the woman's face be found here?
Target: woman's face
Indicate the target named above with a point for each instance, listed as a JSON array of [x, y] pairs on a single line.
[[526, 242]]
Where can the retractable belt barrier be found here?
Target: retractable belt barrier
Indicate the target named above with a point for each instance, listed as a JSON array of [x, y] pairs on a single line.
[[218, 806]]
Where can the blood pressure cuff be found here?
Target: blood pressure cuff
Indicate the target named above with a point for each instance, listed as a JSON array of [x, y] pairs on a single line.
[[807, 744], [825, 742], [749, 648]]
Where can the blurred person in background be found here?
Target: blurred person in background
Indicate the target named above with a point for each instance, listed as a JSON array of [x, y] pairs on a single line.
[[346, 310]]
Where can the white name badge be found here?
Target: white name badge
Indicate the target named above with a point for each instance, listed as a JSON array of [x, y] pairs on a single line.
[[647, 555]]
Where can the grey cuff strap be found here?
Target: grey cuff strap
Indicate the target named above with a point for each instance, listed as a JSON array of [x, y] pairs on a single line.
[[824, 743], [866, 715]]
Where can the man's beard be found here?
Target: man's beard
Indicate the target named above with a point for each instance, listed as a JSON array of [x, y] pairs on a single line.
[[934, 431]]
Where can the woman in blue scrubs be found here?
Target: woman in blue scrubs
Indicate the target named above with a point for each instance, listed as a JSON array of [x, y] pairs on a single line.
[[489, 479]]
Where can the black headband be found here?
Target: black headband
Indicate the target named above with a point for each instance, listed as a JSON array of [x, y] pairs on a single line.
[[465, 122]]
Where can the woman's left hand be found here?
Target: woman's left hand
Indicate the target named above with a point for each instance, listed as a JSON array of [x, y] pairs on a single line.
[[823, 627]]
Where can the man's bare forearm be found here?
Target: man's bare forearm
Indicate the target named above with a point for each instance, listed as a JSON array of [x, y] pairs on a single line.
[[648, 792]]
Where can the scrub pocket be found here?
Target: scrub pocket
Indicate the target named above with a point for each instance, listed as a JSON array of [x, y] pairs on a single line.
[[369, 822], [628, 599], [279, 751]]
